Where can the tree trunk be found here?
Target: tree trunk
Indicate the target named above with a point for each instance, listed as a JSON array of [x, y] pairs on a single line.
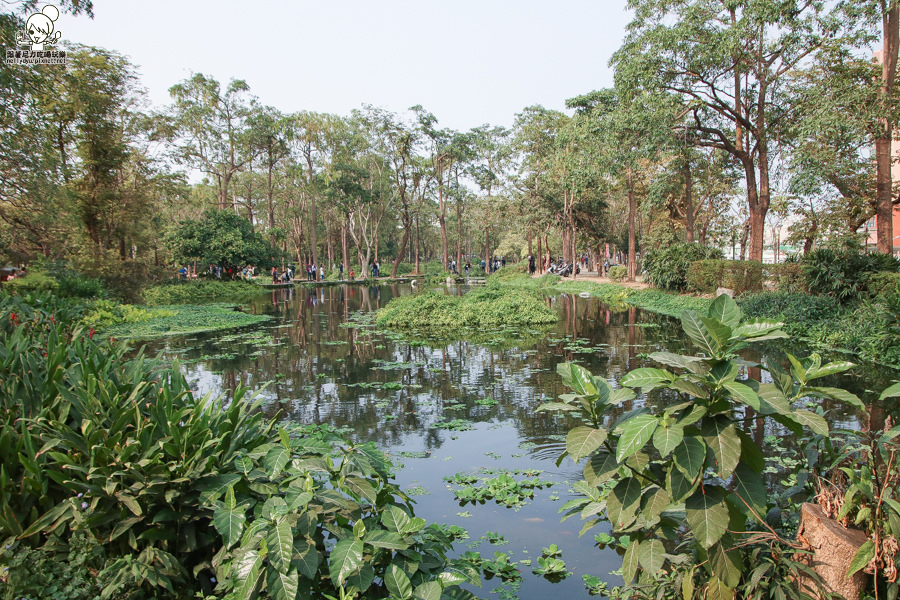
[[884, 207], [745, 233], [313, 231], [632, 209], [345, 255], [400, 251], [540, 258], [688, 203], [418, 243]]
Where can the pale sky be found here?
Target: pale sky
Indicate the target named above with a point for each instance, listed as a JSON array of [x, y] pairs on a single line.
[[469, 62]]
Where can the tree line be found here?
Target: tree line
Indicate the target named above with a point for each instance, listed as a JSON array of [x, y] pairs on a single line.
[[724, 116]]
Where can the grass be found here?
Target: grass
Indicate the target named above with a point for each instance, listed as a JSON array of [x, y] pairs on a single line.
[[184, 319]]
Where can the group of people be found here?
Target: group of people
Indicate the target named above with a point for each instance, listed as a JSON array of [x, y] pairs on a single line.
[[285, 276]]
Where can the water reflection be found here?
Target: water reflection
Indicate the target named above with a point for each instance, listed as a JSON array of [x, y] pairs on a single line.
[[323, 362]]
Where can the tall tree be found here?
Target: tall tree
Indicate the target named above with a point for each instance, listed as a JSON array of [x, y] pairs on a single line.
[[729, 62], [208, 128]]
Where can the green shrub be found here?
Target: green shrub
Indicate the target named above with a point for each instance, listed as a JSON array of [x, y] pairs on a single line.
[[510, 272], [683, 462], [885, 287], [844, 274], [787, 277], [742, 276], [479, 308], [182, 492], [618, 273], [667, 267], [34, 281], [64, 573]]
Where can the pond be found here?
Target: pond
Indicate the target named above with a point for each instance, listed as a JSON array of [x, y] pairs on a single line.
[[461, 410]]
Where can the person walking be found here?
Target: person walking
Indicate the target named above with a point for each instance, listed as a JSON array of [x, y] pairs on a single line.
[[274, 275], [341, 271], [467, 267]]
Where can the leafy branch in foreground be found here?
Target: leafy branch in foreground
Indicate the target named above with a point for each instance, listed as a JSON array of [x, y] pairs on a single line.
[[687, 496]]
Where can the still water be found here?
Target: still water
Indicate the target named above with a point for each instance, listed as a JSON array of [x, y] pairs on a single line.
[[441, 408]]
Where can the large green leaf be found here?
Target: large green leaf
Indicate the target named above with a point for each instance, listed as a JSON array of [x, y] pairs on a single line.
[[249, 588], [385, 539], [666, 439], [397, 582], [816, 423], [620, 395], [395, 519], [699, 334], [345, 558], [756, 329], [690, 455], [280, 541], [577, 378], [693, 364], [726, 310], [581, 441], [282, 586], [229, 523], [430, 590], [653, 503], [363, 578], [749, 486], [557, 406], [623, 502], [601, 467], [651, 555], [306, 558], [707, 515], [717, 590], [836, 394], [646, 378], [720, 332], [772, 400], [630, 561], [362, 488], [743, 394], [891, 392], [726, 565], [862, 557], [276, 459], [721, 436], [635, 434], [214, 486], [679, 486], [830, 369]]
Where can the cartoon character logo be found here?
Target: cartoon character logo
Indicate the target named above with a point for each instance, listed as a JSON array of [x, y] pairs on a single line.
[[39, 30]]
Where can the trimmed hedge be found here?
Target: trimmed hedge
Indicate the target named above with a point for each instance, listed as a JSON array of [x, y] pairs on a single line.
[[667, 267], [885, 287], [618, 273], [742, 276], [787, 277]]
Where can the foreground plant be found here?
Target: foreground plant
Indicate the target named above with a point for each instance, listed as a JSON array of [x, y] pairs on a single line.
[[688, 498], [183, 496]]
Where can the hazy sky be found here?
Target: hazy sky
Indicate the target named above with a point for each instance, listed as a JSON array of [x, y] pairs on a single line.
[[469, 62]]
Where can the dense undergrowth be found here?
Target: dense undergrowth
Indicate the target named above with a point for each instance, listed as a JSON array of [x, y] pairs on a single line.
[[124, 485], [488, 306], [200, 291], [867, 329]]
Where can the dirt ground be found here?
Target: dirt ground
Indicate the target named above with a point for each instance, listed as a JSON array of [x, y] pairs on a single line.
[[588, 276]]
